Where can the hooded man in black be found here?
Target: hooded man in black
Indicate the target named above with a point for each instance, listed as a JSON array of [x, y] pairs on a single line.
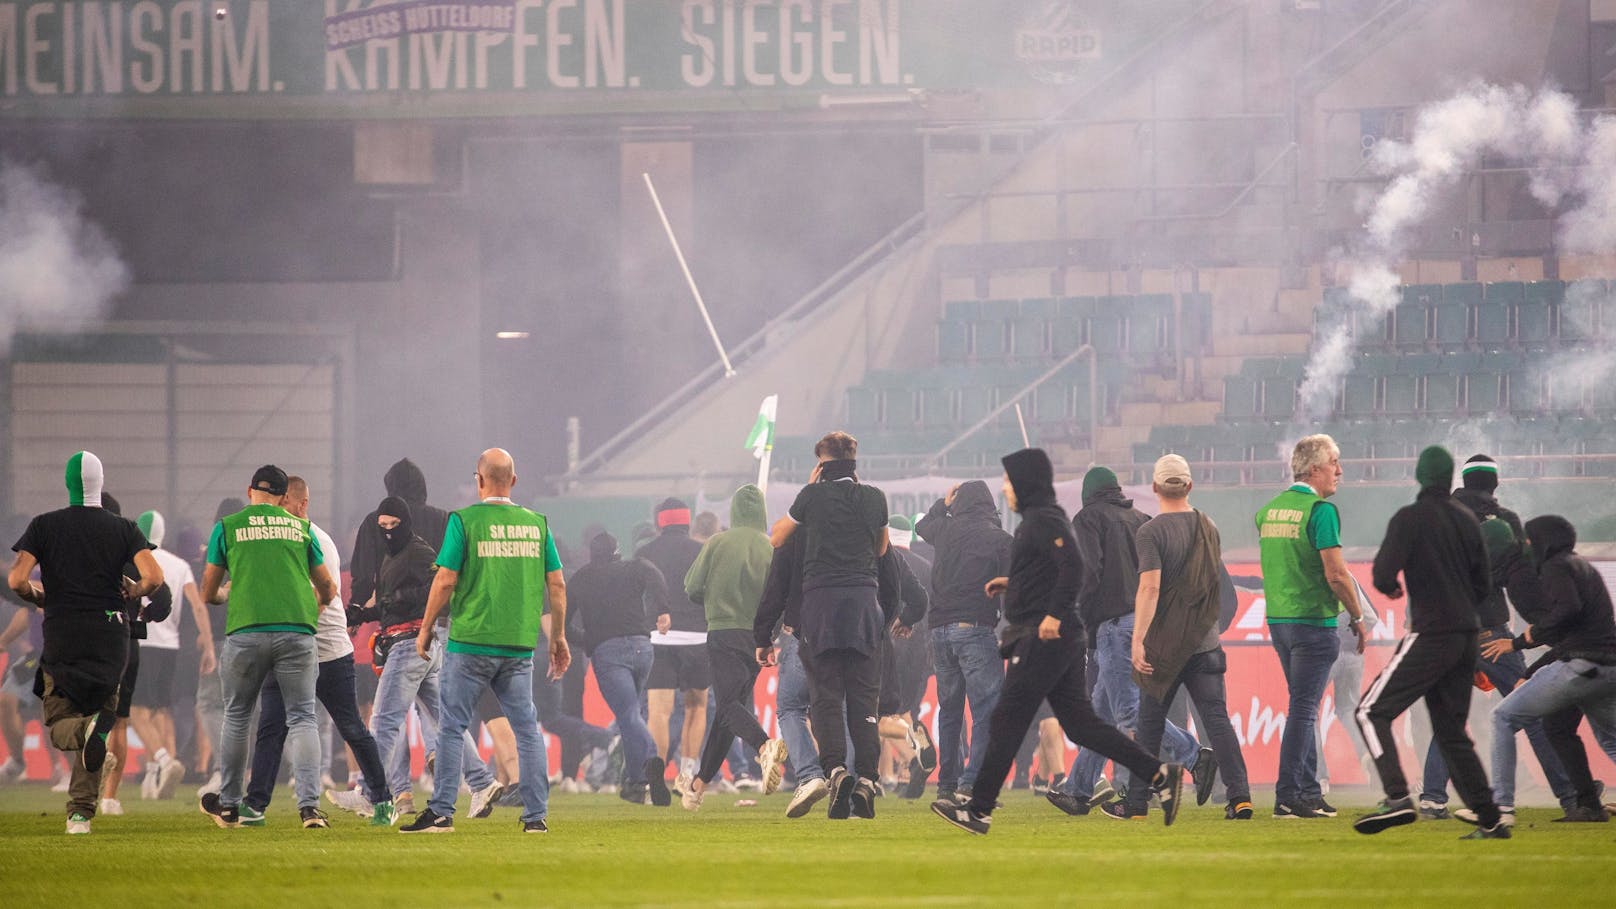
[[1436, 545], [405, 481], [972, 549], [679, 661], [1479, 476], [1046, 653], [1570, 609]]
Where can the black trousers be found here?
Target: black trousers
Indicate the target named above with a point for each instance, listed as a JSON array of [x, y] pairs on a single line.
[[1057, 671], [1440, 668], [733, 659], [334, 687], [1202, 678], [844, 690]]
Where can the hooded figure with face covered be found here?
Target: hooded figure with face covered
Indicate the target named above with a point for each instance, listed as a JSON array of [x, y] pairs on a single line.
[[404, 482], [1045, 650], [1570, 610], [1436, 545]]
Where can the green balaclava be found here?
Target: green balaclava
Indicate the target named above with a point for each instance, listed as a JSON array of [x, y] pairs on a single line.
[[1097, 480], [1435, 469], [84, 479]]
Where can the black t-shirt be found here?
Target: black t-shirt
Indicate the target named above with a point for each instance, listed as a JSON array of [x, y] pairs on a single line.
[[843, 520], [82, 552]]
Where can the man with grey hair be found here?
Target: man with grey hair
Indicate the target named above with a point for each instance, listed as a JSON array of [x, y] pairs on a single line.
[[1305, 585]]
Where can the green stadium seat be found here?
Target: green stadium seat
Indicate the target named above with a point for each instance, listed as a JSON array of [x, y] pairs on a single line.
[[1534, 315], [1402, 395], [962, 310], [1495, 315], [1442, 394], [1412, 316], [992, 339], [1579, 320], [1483, 391], [1105, 325], [1279, 397], [1239, 398], [953, 341], [1565, 389], [1468, 294], [1525, 392], [1359, 395], [861, 406], [1034, 328], [1450, 325]]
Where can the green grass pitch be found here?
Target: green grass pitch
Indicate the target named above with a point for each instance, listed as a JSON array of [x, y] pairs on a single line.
[[602, 852]]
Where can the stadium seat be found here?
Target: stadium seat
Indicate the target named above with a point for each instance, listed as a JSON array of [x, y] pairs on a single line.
[[1279, 397], [962, 310], [1105, 325], [1442, 392], [1579, 316], [1239, 398], [1359, 395], [861, 407], [953, 341], [992, 330], [1412, 317], [1565, 389], [1496, 314], [1402, 396], [1034, 329], [1534, 315], [1525, 392]]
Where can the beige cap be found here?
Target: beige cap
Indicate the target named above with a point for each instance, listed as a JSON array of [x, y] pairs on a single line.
[[1172, 470]]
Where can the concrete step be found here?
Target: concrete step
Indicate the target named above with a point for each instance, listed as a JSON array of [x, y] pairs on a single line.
[[1271, 344]]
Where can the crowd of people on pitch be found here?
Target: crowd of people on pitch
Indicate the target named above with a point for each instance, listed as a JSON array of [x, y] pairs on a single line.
[[1084, 628]]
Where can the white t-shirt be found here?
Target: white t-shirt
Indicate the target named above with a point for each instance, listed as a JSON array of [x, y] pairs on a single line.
[[331, 639], [165, 635]]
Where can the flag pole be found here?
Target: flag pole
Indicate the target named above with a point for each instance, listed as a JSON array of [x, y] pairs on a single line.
[[1020, 421], [729, 370]]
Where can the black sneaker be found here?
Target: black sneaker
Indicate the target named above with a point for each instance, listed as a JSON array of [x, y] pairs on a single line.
[[1582, 814], [313, 818], [634, 793], [1205, 774], [1291, 812], [535, 827], [962, 816], [916, 787], [862, 804], [947, 795], [224, 817], [656, 780], [1237, 811], [1119, 811], [1433, 811], [428, 821], [1323, 808], [925, 749], [1168, 785], [94, 752], [1391, 813], [1498, 831], [841, 795], [1067, 802]]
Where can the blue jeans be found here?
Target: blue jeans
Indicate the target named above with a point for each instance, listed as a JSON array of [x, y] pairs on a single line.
[[1116, 700], [1551, 689], [248, 658], [1307, 653], [968, 667], [465, 676], [622, 666], [405, 680], [1505, 673], [334, 689], [791, 704]]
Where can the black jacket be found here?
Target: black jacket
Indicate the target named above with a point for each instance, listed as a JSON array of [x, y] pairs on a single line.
[[406, 481], [1436, 544], [1566, 596], [972, 549], [673, 552], [614, 598], [402, 585], [781, 604], [1105, 531], [902, 595], [1493, 609]]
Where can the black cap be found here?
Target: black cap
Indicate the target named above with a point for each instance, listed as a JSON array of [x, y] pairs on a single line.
[[270, 479]]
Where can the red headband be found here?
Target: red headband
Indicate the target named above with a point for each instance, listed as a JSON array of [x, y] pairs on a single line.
[[673, 517]]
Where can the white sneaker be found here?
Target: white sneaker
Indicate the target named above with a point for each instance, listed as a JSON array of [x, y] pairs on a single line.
[[1506, 815], [482, 801], [747, 784], [403, 804], [771, 760], [215, 783], [111, 807], [168, 778], [571, 786], [681, 784], [691, 798], [12, 770], [148, 783], [62, 785], [724, 786], [807, 795], [77, 825], [351, 800]]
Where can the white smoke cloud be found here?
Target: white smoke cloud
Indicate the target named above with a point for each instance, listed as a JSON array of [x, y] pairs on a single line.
[[58, 271], [1573, 168]]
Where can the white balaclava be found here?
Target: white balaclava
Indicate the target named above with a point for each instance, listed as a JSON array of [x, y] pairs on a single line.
[[84, 480]]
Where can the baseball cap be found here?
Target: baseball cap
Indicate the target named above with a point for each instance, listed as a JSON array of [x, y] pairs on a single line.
[[1172, 470], [270, 479]]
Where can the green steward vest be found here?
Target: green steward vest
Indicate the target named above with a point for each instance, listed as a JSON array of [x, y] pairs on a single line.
[[1294, 585], [267, 552], [500, 593]]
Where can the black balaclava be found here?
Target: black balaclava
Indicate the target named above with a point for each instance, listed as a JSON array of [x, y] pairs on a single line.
[[108, 503], [1032, 476], [1480, 472], [603, 548], [838, 469], [399, 536]]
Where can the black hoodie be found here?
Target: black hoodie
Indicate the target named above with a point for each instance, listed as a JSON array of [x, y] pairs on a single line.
[[406, 481], [673, 552], [1045, 568], [613, 598], [972, 549], [1436, 544], [1568, 600], [1105, 533], [1493, 610]]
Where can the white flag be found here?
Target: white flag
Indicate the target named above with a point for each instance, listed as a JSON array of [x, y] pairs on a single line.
[[761, 439]]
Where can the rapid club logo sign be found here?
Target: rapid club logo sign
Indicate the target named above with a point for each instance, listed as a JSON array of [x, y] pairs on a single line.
[[1055, 43]]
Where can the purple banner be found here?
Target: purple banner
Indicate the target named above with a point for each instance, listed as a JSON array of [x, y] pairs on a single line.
[[414, 17]]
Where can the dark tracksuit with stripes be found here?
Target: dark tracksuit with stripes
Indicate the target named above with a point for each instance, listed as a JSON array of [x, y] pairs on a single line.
[[1436, 545]]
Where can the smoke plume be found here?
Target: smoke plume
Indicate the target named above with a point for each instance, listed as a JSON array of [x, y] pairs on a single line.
[[1574, 170], [58, 271]]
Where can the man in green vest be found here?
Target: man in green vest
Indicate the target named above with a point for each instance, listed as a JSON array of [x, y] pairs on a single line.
[[271, 557], [1305, 585], [497, 564]]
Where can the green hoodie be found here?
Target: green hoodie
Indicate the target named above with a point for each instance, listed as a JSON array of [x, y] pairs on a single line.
[[727, 577]]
